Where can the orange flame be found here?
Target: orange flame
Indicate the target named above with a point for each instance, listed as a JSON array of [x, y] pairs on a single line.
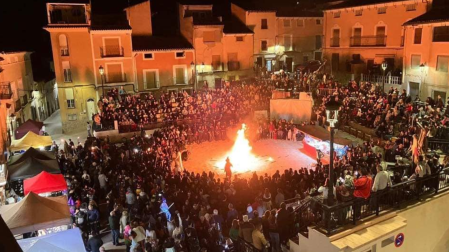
[[241, 157]]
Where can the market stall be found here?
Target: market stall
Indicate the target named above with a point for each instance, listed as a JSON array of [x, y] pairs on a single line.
[[32, 153], [31, 167], [45, 183], [29, 126], [31, 139], [35, 212], [69, 240]]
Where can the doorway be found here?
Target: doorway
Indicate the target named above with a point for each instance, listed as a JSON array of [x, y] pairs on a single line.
[[357, 36], [413, 89], [268, 64], [289, 63], [441, 94], [90, 108]]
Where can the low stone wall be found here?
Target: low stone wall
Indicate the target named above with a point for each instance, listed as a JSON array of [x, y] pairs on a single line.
[[116, 137], [361, 128]]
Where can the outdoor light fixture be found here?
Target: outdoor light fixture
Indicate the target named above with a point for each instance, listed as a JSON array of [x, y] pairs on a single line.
[[101, 69], [332, 107], [384, 67]]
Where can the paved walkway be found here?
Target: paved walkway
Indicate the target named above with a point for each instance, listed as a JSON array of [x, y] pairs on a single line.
[[53, 127]]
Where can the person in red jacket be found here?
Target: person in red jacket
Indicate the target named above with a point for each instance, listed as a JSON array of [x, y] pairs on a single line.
[[362, 190]]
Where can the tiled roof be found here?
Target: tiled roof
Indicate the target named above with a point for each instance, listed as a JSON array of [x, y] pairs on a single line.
[[293, 12], [155, 43], [252, 6], [435, 15], [206, 21], [110, 22], [235, 26], [356, 3], [282, 10]]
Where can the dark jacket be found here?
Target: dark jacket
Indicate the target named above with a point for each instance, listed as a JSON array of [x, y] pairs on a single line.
[[114, 222], [94, 244], [246, 231], [93, 215]]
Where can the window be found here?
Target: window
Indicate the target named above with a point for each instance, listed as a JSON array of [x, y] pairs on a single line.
[[180, 55], [148, 56], [67, 71], [114, 73], [69, 98], [208, 36], [358, 12], [63, 45], [318, 21], [441, 34], [418, 35], [239, 38], [337, 14], [264, 24], [318, 42], [180, 74], [442, 63], [233, 62], [382, 10], [72, 117], [111, 47], [263, 45], [410, 7], [150, 79], [216, 62], [287, 42], [416, 61], [300, 22], [286, 22], [335, 61]]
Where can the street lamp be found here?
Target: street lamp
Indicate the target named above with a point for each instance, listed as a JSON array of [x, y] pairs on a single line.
[[423, 69], [384, 67], [332, 107], [192, 65], [101, 69]]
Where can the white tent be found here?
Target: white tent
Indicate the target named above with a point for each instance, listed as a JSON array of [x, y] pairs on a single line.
[[65, 241]]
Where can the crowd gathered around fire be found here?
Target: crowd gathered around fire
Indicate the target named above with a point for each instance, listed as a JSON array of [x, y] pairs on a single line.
[[152, 202]]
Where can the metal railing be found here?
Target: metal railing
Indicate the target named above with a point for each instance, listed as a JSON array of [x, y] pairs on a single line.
[[335, 42], [438, 144], [64, 51], [368, 41], [111, 51], [332, 219], [326, 91], [397, 80], [243, 246], [115, 78], [5, 90], [233, 65], [60, 17]]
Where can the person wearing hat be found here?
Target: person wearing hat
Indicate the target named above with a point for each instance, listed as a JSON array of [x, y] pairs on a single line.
[[246, 229]]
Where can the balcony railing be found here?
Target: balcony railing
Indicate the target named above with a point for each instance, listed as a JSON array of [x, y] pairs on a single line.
[[217, 66], [335, 218], [75, 16], [64, 51], [111, 51], [335, 42], [116, 78], [5, 91], [359, 41], [394, 80], [17, 105], [233, 65]]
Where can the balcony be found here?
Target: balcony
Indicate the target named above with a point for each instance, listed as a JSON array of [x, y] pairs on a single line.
[[64, 51], [68, 15], [335, 42], [392, 80], [361, 41], [17, 105], [24, 100], [111, 51], [5, 91], [233, 65], [115, 78], [217, 66]]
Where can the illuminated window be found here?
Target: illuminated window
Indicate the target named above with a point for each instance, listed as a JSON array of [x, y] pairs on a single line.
[[67, 71], [264, 24], [286, 22], [442, 63], [418, 35], [382, 10], [337, 14], [358, 12], [415, 61], [69, 98]]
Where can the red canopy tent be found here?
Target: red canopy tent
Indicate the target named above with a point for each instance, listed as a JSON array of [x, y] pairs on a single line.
[[45, 182], [29, 125]]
